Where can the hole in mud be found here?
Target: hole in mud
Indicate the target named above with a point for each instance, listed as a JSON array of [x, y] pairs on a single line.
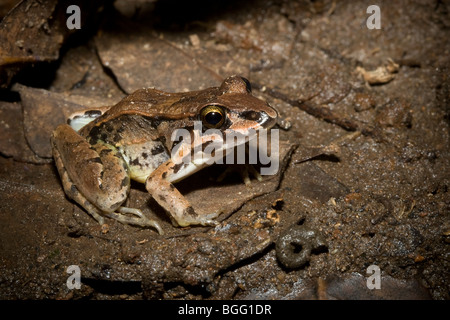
[[369, 234], [278, 204], [297, 248], [319, 250]]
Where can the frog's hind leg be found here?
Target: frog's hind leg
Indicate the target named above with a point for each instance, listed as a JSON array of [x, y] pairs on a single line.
[[72, 192], [95, 176], [140, 219], [121, 213]]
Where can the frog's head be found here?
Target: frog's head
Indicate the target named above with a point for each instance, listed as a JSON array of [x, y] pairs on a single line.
[[223, 118], [235, 109], [228, 116]]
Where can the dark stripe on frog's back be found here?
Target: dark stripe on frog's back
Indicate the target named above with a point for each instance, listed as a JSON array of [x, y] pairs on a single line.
[[123, 130]]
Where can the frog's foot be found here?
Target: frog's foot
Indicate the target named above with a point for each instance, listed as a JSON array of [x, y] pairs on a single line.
[[91, 209], [138, 218], [208, 220], [244, 170], [194, 219]]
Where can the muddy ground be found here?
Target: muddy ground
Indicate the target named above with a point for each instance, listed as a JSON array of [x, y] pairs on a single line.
[[379, 97]]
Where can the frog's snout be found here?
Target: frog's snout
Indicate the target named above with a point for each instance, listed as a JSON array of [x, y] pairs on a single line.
[[268, 119]]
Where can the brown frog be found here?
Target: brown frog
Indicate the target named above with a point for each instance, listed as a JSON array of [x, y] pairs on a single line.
[[100, 150]]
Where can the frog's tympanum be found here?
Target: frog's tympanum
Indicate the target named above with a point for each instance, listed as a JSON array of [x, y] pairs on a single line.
[[100, 150]]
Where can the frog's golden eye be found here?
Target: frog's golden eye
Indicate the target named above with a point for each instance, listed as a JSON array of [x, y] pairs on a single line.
[[212, 116]]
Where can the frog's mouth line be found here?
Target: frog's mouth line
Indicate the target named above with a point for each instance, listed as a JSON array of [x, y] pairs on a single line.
[[207, 150], [251, 119]]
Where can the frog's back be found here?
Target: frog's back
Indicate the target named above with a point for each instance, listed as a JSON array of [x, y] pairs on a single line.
[[159, 104]]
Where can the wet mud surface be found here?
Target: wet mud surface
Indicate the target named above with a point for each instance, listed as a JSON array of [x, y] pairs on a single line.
[[376, 195]]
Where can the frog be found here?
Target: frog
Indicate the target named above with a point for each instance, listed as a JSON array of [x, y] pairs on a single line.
[[100, 150]]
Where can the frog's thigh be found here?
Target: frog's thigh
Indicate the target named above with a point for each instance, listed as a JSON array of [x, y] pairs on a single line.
[[71, 190], [165, 193], [98, 172]]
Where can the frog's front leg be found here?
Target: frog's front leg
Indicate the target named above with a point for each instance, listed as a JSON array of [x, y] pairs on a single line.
[[95, 176], [164, 192]]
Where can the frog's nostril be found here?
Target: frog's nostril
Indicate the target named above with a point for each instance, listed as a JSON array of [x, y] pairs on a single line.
[[267, 121]]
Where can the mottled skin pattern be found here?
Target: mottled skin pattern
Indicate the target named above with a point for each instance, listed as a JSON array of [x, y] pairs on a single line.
[[132, 140]]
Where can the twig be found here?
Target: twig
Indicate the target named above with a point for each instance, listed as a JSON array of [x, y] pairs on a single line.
[[317, 111]]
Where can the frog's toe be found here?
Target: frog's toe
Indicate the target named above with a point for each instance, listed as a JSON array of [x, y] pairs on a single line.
[[92, 210], [123, 215], [203, 220], [250, 169], [208, 220], [245, 172], [209, 223]]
